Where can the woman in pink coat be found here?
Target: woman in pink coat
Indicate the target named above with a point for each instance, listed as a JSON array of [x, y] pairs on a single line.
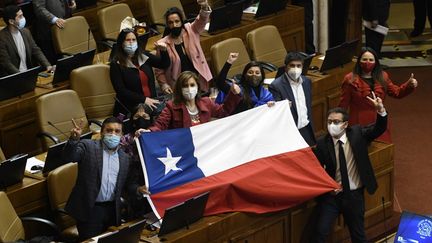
[[184, 48]]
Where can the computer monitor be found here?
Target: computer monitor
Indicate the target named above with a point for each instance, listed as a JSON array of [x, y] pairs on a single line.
[[19, 83], [246, 3], [54, 155], [268, 7], [12, 170], [226, 16], [184, 214], [84, 3], [339, 55], [64, 67], [129, 234], [86, 57], [414, 228]]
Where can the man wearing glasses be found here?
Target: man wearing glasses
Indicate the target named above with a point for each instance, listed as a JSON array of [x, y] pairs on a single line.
[[344, 155]]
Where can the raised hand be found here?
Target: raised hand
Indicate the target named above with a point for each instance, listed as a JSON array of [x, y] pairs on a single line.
[[377, 102], [412, 81], [203, 3], [232, 57], [161, 46], [76, 131], [235, 88]]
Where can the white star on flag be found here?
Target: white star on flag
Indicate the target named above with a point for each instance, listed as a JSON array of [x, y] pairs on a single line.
[[170, 162]]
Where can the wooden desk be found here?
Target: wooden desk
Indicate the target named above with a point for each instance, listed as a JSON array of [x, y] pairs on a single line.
[[29, 196], [288, 225]]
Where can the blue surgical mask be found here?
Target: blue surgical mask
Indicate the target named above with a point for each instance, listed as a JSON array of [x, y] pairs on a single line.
[[21, 23], [130, 49], [111, 140]]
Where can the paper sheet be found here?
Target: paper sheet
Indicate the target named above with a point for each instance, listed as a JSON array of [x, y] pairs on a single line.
[[380, 29], [32, 162], [268, 81], [251, 10]]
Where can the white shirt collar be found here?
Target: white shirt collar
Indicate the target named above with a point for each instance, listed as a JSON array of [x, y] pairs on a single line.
[[343, 138]]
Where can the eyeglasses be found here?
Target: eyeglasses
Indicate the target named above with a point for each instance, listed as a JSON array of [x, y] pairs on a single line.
[[336, 122]]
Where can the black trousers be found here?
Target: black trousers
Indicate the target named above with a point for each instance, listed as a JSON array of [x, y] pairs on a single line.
[[308, 135], [422, 8], [308, 25], [102, 216], [374, 40], [352, 207]]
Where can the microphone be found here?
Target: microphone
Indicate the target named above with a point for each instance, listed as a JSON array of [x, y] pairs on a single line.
[[385, 221], [295, 42], [56, 128], [122, 105], [88, 38]]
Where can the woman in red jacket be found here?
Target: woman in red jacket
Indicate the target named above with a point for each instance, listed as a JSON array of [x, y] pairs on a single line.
[[368, 77], [189, 109]]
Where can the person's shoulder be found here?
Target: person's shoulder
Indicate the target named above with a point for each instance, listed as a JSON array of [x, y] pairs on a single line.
[[278, 81]]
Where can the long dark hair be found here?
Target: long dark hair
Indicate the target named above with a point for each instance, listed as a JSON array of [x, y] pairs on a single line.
[[181, 80], [120, 54], [171, 11], [377, 72], [245, 84]]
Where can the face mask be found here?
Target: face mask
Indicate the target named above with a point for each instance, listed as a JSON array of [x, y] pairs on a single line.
[[111, 140], [294, 73], [254, 80], [175, 31], [141, 122], [190, 93], [130, 49], [335, 130], [367, 67], [21, 23]]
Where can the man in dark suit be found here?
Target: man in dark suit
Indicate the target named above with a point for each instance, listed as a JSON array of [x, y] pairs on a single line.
[[50, 13], [102, 173], [298, 90], [18, 51], [344, 154]]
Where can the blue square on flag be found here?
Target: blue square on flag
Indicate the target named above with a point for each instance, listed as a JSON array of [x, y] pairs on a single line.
[[167, 154]]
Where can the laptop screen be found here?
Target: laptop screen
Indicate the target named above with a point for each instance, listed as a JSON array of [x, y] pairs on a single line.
[[12, 170], [19, 83]]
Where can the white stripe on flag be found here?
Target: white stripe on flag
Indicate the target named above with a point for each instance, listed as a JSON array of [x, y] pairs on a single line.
[[235, 140]]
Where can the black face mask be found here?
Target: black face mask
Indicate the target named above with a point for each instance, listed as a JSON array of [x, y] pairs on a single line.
[[176, 31], [141, 123]]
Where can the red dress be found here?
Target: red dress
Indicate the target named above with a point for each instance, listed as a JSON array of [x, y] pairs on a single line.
[[361, 111]]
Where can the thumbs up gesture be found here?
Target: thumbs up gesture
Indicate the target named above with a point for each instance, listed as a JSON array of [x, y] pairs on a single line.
[[412, 81]]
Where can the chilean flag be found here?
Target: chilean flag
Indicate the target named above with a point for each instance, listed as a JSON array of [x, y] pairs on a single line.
[[255, 161]]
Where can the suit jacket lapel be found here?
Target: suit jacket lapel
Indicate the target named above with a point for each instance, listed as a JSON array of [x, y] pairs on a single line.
[[331, 149], [290, 94], [11, 40]]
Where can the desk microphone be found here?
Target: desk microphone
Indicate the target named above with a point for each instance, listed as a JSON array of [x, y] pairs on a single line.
[[88, 38], [385, 220], [122, 105], [56, 128]]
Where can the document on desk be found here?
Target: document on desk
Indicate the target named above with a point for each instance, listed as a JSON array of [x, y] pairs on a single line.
[[251, 10], [379, 28], [34, 162]]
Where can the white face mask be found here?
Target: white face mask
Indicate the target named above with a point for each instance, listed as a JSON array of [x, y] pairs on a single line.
[[294, 73], [335, 130], [190, 93]]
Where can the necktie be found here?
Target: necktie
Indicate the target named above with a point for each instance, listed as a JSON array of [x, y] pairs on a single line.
[[343, 168]]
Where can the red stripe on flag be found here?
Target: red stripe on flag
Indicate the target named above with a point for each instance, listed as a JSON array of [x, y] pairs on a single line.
[[260, 186]]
